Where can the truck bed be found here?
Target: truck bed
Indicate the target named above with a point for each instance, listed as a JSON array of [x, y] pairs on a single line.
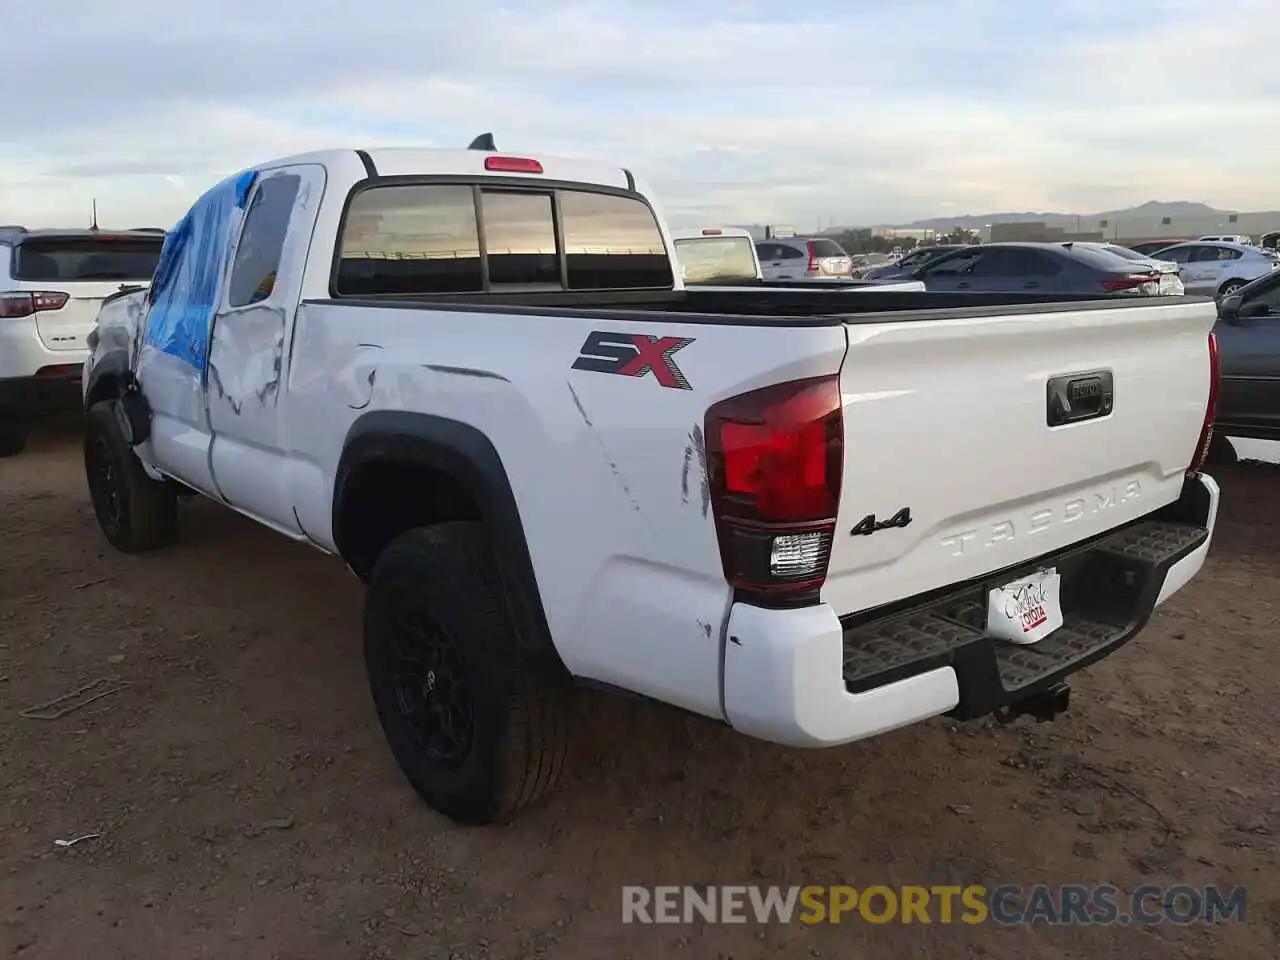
[[948, 405], [751, 307]]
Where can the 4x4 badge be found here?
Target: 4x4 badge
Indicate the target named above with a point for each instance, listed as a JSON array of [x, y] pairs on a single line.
[[869, 524]]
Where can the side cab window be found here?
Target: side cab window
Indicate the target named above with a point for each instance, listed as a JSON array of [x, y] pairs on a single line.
[[260, 248], [270, 252]]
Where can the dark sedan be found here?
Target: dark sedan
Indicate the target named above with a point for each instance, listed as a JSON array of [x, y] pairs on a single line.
[[1038, 268], [913, 261], [1248, 332]]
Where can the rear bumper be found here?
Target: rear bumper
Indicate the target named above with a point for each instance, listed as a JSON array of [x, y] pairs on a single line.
[[35, 380], [801, 677], [30, 397]]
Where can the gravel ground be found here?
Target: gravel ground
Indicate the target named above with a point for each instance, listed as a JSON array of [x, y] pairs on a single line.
[[246, 806]]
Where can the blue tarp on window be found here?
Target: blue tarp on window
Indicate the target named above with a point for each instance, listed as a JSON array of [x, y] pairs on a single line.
[[189, 274]]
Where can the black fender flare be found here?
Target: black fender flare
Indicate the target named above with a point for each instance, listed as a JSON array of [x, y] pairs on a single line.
[[465, 454], [113, 364]]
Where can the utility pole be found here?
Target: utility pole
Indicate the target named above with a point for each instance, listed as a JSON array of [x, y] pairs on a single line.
[[94, 225]]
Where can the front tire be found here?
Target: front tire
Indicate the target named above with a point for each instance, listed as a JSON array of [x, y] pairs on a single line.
[[476, 728], [135, 512]]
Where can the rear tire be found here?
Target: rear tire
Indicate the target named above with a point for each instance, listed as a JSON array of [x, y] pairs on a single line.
[[476, 728], [1230, 287], [135, 513]]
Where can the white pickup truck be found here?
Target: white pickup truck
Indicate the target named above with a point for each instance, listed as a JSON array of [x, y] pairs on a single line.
[[478, 380]]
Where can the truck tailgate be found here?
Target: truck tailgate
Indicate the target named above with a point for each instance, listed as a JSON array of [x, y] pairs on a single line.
[[949, 419]]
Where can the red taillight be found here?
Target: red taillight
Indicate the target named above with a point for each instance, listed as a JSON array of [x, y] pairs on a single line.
[[1121, 284], [60, 371], [1210, 409], [712, 233], [14, 305], [813, 257], [775, 458], [512, 165], [49, 301]]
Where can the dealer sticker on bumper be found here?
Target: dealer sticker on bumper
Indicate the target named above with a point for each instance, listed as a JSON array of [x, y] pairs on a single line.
[[1027, 610]]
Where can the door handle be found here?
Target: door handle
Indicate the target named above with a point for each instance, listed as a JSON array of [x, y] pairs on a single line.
[[1030, 285], [962, 285]]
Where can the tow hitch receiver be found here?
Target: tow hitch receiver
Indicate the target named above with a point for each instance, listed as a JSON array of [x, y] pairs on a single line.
[[1044, 706]]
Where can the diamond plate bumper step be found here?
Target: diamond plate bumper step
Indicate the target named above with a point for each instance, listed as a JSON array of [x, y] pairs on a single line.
[[1109, 588]]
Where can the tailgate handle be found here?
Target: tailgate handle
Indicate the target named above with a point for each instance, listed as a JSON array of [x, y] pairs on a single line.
[[1073, 397]]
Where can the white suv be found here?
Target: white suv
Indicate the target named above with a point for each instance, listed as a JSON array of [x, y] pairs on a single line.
[[794, 258], [51, 285]]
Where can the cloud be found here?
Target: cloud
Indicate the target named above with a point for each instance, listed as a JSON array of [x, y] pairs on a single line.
[[743, 111]]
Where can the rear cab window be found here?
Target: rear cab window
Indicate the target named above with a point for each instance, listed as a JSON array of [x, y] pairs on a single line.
[[42, 259], [716, 259], [494, 236]]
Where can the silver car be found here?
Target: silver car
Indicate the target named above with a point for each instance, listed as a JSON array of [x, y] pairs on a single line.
[[1212, 269], [795, 258]]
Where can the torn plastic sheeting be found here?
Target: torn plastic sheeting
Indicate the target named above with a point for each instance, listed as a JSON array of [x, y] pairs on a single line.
[[188, 277]]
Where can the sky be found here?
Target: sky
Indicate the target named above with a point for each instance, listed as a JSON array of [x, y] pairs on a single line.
[[736, 111]]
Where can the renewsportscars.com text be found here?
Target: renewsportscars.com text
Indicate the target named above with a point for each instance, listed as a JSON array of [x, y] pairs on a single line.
[[1066, 905]]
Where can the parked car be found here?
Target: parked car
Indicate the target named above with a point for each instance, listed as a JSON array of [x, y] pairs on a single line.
[[1148, 247], [913, 261], [798, 258], [52, 283], [864, 263], [1171, 284], [1213, 269], [1043, 267], [479, 380], [1227, 238], [723, 258], [1248, 334]]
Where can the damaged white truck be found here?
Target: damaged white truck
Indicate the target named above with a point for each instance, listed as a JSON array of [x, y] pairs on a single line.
[[478, 380]]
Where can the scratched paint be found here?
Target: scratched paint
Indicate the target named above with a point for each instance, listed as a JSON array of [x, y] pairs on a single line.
[[479, 374], [247, 359], [578, 403], [613, 464], [220, 391], [695, 451], [684, 472], [372, 381]]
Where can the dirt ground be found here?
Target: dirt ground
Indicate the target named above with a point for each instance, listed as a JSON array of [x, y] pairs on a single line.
[[247, 807]]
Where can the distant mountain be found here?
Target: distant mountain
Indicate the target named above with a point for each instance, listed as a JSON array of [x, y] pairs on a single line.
[[1151, 210]]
